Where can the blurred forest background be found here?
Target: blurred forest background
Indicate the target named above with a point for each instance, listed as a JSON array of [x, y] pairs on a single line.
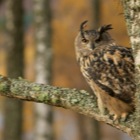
[[37, 43]]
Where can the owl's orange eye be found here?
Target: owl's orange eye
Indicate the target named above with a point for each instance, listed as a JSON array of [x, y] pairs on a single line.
[[85, 40]]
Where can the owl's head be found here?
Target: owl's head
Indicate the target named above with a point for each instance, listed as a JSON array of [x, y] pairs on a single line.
[[88, 40]]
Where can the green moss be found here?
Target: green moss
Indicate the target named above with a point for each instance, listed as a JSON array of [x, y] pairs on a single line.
[[83, 91], [20, 78], [74, 101], [36, 88], [3, 86], [42, 97], [55, 100]]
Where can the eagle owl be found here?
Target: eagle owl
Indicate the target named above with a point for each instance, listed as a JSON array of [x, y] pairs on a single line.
[[109, 70]]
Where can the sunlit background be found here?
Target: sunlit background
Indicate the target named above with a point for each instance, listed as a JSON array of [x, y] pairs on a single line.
[[66, 16]]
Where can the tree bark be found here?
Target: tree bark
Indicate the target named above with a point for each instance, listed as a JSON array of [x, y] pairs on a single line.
[[14, 29], [42, 23], [132, 17]]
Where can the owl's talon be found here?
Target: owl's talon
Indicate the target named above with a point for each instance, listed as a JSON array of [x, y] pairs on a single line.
[[115, 117], [124, 117]]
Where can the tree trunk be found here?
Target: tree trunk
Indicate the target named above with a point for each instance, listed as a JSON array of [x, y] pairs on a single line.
[[42, 21], [96, 12], [14, 28], [132, 16]]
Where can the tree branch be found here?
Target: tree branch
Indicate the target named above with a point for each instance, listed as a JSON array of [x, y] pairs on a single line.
[[78, 101]]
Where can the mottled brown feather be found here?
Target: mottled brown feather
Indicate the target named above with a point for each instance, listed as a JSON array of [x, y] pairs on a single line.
[[109, 70]]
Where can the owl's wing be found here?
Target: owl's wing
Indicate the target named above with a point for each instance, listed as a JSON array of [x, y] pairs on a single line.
[[112, 68]]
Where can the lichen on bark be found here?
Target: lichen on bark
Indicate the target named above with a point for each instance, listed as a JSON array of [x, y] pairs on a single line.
[[132, 17]]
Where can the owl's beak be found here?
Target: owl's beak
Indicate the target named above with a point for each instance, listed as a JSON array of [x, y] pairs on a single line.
[[92, 46], [82, 26]]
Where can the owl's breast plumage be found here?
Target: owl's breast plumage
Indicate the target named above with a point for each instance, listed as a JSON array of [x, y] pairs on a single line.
[[112, 69]]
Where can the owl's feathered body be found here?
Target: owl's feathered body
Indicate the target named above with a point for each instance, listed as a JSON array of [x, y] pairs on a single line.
[[109, 70]]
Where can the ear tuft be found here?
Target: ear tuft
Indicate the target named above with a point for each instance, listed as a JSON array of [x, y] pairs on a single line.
[[83, 24], [105, 28]]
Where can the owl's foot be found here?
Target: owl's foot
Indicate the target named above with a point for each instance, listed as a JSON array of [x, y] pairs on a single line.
[[118, 109], [122, 117]]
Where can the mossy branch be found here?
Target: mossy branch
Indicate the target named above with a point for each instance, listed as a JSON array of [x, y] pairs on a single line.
[[77, 100]]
